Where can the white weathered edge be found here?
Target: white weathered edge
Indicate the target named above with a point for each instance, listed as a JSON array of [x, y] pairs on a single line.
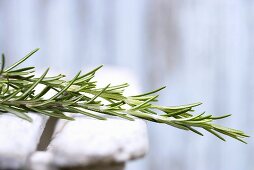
[[85, 142], [19, 138]]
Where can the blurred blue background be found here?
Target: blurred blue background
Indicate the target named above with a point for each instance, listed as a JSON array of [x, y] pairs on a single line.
[[202, 50]]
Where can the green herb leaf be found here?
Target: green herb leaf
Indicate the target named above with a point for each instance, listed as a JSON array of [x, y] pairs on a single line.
[[20, 93]]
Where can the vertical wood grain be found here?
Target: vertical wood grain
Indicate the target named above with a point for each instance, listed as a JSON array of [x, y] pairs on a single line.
[[202, 50]]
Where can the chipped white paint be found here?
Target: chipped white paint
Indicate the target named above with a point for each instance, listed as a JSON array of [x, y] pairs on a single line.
[[41, 160], [19, 138], [87, 141]]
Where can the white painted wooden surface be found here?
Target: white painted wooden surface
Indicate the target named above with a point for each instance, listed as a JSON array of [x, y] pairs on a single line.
[[19, 139], [86, 142]]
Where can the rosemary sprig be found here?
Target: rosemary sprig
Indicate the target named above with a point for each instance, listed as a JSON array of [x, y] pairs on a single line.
[[21, 92]]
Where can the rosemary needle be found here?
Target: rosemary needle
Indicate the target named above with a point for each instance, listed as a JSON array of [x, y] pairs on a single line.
[[81, 96]]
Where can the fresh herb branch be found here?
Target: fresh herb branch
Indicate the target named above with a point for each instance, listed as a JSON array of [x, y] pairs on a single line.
[[21, 92]]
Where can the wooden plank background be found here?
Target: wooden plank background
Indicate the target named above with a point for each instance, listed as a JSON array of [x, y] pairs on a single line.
[[202, 50]]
